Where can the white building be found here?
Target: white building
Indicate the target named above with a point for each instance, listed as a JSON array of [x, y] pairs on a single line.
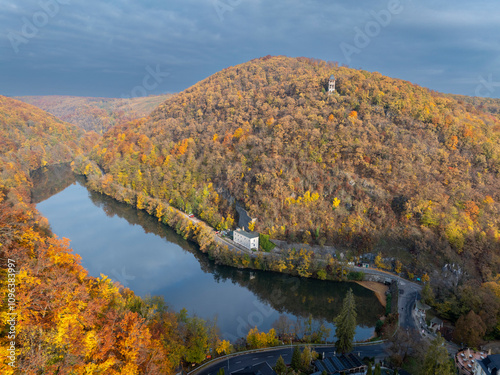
[[248, 240], [331, 84]]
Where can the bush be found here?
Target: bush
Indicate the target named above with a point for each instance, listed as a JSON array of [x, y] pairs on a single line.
[[356, 276], [378, 327], [265, 243], [321, 274], [388, 305]]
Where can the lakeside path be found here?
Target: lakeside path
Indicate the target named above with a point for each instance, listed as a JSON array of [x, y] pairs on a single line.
[[409, 292]]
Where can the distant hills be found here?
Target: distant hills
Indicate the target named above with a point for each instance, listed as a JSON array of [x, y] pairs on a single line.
[[97, 114], [31, 138], [491, 105], [380, 165], [56, 304]]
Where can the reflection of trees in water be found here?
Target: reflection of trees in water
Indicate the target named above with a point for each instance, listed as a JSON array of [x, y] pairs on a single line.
[[112, 208], [301, 297], [284, 293], [49, 181]]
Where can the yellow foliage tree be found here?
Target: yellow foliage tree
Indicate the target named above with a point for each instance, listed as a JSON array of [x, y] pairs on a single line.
[[335, 202], [398, 267], [425, 278], [379, 263], [224, 347], [251, 225]]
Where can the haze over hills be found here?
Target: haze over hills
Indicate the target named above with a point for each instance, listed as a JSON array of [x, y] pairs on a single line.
[[97, 114], [491, 105], [31, 138], [380, 165]]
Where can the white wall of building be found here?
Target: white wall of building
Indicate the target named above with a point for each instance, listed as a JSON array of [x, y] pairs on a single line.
[[249, 243]]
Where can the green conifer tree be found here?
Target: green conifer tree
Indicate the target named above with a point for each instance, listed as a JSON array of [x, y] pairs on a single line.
[[346, 324], [296, 362], [280, 367], [370, 370]]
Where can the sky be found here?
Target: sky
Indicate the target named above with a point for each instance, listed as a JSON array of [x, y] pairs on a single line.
[[126, 48]]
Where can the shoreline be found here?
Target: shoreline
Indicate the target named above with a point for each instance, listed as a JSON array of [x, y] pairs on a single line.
[[216, 249], [378, 288]]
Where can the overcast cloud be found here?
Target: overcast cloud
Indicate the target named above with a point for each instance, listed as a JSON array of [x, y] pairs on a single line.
[[96, 48]]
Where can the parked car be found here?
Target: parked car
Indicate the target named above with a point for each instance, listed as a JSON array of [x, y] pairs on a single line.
[[191, 215]]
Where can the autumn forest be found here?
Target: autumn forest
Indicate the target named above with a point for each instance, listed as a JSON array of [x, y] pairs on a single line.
[[379, 166]]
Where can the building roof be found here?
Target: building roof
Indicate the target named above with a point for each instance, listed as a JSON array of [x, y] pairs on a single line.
[[339, 363], [262, 368], [491, 364], [422, 306], [332, 77], [247, 234], [436, 321]]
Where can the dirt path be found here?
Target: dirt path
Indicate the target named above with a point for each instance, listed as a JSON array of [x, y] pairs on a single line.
[[378, 288]]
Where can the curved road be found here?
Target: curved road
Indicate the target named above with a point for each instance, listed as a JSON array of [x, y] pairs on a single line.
[[272, 355], [409, 293]]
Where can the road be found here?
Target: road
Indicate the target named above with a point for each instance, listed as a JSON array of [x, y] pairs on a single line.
[[409, 292], [233, 245], [408, 295], [272, 355]]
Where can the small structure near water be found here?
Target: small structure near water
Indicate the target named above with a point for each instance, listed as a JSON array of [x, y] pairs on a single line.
[[250, 240], [436, 324]]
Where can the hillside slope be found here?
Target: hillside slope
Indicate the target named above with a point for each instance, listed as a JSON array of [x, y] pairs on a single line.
[[97, 114], [64, 320], [380, 162], [31, 138], [491, 105]]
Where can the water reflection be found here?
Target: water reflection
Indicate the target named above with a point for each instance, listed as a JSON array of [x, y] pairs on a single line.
[[135, 249], [49, 181]]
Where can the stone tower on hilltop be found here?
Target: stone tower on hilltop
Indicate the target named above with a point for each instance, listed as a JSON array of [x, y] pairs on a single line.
[[331, 84]]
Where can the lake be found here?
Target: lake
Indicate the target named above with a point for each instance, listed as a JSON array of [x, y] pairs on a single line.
[[148, 257]]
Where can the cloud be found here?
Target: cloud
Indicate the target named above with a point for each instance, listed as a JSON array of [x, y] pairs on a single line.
[[102, 48]]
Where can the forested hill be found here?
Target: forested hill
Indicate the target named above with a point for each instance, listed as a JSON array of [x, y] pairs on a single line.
[[97, 114], [31, 138], [65, 321], [380, 162], [491, 105]]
